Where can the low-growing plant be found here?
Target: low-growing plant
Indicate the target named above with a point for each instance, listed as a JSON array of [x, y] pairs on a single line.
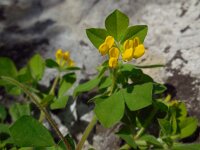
[[126, 96]]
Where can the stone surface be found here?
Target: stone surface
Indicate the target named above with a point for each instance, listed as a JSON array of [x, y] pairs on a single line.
[[173, 36]]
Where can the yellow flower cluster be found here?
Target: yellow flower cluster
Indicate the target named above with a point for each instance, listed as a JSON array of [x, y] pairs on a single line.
[[132, 48], [108, 47], [63, 58]]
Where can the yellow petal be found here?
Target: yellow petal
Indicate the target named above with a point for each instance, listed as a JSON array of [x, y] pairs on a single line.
[[127, 55], [136, 41], [66, 55], [103, 49], [71, 63], [113, 62], [139, 51], [59, 54], [114, 52], [128, 44], [109, 41]]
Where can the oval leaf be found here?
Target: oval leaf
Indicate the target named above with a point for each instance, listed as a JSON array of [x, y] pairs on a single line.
[[116, 24], [96, 36], [109, 110], [188, 126], [87, 86], [37, 66], [59, 103], [139, 31], [66, 83], [51, 63], [179, 146], [138, 96], [18, 110], [28, 132], [7, 67]]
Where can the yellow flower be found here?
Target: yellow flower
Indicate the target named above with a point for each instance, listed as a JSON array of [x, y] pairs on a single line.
[[71, 63], [114, 52], [127, 55], [106, 45], [136, 41], [109, 41], [103, 49], [113, 62], [66, 55], [132, 49], [59, 54], [63, 58], [128, 44], [139, 51]]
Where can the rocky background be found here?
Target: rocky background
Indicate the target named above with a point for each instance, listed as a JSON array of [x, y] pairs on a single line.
[[43, 26]]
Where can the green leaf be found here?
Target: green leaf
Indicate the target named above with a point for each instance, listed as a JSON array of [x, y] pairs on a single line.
[[127, 137], [18, 110], [69, 68], [37, 66], [13, 90], [24, 75], [138, 96], [139, 31], [4, 143], [150, 66], [181, 113], [46, 100], [188, 126], [4, 128], [116, 24], [51, 63], [3, 113], [179, 146], [165, 126], [7, 69], [158, 88], [87, 86], [105, 82], [96, 36], [109, 110], [59, 103], [128, 71], [101, 69], [66, 82], [151, 139], [28, 132], [173, 123], [70, 140], [161, 106]]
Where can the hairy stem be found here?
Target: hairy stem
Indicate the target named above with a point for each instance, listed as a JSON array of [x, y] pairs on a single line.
[[87, 132], [36, 100]]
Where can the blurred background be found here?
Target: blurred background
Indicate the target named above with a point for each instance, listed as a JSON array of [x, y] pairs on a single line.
[[42, 26]]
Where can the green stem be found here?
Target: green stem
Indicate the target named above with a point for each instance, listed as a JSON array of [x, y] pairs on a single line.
[[35, 100], [146, 124], [87, 132], [51, 92], [113, 81], [42, 116]]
